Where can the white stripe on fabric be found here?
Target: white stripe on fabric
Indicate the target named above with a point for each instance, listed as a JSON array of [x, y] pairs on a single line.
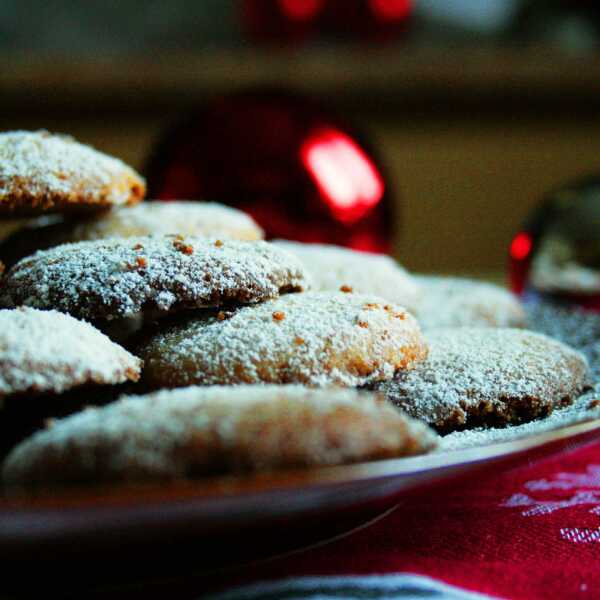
[[401, 586]]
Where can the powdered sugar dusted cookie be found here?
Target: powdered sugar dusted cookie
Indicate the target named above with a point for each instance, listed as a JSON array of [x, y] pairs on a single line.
[[201, 219], [483, 376], [315, 338], [41, 172], [459, 302], [333, 268], [47, 351], [123, 277], [196, 431]]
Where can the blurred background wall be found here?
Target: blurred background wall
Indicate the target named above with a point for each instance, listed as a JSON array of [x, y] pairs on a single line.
[[478, 107]]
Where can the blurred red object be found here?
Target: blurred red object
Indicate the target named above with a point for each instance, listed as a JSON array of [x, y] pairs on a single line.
[[298, 169], [556, 254], [281, 20], [289, 21], [373, 20]]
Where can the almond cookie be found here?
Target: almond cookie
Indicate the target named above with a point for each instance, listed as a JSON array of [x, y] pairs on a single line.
[[196, 431], [483, 376], [21, 238], [315, 338], [106, 279], [41, 172], [50, 365], [333, 268], [43, 351], [459, 302], [200, 219]]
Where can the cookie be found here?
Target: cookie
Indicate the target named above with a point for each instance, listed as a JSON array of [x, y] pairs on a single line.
[[41, 172], [47, 351], [460, 302], [333, 268], [200, 219], [315, 338], [106, 279], [51, 365], [490, 377], [195, 431]]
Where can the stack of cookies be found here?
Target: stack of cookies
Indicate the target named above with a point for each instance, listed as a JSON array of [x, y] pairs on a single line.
[[145, 341]]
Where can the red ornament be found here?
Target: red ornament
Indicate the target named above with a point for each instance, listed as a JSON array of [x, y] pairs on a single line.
[[374, 20], [298, 169], [281, 21], [556, 255], [294, 20]]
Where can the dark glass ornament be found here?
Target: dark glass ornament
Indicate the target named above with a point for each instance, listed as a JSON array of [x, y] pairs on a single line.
[[301, 171], [556, 255]]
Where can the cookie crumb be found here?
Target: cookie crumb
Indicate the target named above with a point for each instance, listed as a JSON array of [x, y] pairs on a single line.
[[218, 243], [371, 306], [138, 247], [298, 341], [363, 324], [141, 261], [278, 315], [181, 247], [346, 289], [594, 403]]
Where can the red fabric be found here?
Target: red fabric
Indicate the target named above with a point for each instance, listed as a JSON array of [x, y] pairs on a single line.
[[533, 532]]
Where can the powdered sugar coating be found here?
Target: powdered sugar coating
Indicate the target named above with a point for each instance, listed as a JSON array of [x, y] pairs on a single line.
[[40, 172], [315, 338], [123, 277], [333, 267], [50, 351], [460, 302], [490, 376], [573, 326], [201, 219], [196, 431]]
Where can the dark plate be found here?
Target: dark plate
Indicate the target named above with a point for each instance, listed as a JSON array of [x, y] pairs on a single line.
[[162, 531]]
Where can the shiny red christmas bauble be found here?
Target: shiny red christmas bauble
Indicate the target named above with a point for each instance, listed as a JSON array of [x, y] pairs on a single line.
[[289, 21], [556, 255], [301, 171]]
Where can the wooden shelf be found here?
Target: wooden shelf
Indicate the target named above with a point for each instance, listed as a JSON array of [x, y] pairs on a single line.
[[384, 76]]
